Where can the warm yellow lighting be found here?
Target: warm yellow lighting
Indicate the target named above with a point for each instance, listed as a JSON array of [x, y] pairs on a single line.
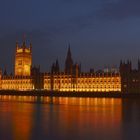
[[19, 50], [16, 83], [23, 62], [27, 50], [84, 84], [22, 79]]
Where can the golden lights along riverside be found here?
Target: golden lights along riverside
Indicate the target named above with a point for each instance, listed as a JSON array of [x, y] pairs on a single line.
[[72, 79]]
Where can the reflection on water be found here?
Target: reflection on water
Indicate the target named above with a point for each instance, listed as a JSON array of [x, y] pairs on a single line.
[[28, 117]]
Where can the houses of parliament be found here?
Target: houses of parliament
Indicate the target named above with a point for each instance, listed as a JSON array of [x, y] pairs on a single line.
[[72, 79]]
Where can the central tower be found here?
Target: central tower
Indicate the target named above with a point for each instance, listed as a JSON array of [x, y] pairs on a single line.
[[23, 60], [69, 62]]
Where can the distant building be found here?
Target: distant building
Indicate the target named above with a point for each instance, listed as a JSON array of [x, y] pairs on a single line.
[[130, 78]]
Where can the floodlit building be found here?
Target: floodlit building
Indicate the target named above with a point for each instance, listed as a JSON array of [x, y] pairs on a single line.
[[26, 77], [22, 78], [72, 79], [85, 82]]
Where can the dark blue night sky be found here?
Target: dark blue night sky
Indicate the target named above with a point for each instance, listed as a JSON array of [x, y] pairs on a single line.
[[101, 32]]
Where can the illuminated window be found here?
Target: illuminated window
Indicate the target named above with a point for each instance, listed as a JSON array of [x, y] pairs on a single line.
[[20, 62]]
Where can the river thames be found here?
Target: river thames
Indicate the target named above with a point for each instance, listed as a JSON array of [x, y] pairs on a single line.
[[61, 118]]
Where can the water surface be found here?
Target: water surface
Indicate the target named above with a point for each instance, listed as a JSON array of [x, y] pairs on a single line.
[[60, 118]]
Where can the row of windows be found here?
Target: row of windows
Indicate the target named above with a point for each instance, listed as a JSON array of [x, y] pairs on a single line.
[[17, 82], [88, 86], [95, 90], [96, 80], [98, 87], [17, 77], [88, 82], [98, 84], [16, 87], [83, 81]]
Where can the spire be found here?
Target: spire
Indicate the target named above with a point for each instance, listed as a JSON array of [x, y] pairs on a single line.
[[69, 51], [57, 66], [16, 45], [127, 61], [138, 61], [120, 62], [5, 72], [138, 64], [68, 62], [24, 44], [30, 47]]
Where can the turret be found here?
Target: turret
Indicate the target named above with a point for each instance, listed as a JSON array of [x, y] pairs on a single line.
[[5, 72], [24, 45], [55, 67], [30, 47], [138, 65], [125, 67], [76, 69], [17, 46]]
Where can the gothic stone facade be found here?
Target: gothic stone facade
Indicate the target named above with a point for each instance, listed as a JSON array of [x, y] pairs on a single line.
[[26, 77]]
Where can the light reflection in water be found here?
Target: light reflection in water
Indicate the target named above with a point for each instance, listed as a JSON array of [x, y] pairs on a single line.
[[28, 117]]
